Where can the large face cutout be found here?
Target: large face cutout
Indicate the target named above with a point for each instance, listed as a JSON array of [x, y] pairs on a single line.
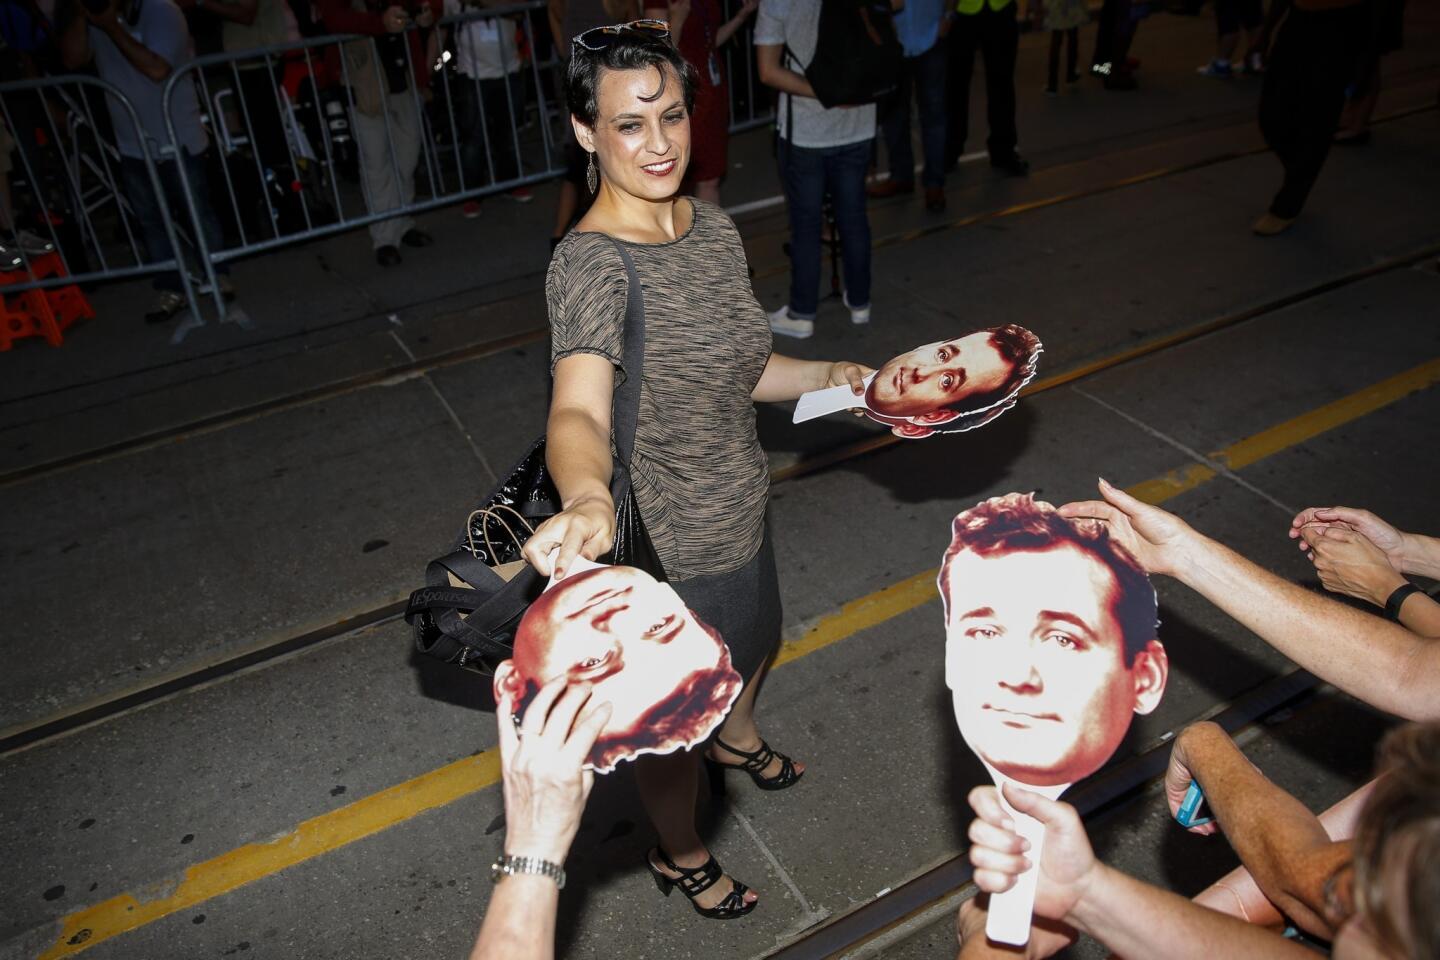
[[667, 675], [1050, 643], [949, 386], [937, 375]]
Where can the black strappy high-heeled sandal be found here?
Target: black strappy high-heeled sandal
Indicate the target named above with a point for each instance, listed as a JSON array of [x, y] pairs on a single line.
[[755, 764], [694, 882]]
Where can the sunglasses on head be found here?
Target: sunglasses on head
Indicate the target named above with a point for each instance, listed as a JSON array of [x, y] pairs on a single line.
[[599, 38]]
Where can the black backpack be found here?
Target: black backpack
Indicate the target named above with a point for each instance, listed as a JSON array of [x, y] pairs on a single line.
[[857, 55]]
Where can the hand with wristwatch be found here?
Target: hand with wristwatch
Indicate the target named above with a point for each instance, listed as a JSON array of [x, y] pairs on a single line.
[[545, 789]]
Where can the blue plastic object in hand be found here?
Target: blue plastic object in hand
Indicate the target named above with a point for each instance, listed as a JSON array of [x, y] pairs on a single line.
[[1188, 814]]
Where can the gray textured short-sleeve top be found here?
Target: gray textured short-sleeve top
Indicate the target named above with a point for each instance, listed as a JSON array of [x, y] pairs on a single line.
[[699, 474]]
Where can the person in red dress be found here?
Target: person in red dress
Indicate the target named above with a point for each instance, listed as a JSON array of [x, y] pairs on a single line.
[[699, 29]]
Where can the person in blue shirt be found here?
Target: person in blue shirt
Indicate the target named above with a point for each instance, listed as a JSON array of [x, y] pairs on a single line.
[[136, 45], [922, 73]]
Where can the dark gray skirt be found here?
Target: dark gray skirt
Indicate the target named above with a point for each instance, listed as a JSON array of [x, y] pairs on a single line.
[[743, 605]]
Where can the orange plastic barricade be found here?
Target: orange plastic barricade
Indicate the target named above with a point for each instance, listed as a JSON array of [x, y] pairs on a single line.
[[40, 313]]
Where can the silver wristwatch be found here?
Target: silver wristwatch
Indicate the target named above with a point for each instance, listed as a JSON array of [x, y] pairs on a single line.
[[508, 865]]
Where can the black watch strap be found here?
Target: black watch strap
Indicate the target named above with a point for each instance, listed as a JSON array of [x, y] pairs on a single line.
[[1397, 599]]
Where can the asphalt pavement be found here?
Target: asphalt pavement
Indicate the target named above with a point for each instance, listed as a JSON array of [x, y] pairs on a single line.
[[169, 510]]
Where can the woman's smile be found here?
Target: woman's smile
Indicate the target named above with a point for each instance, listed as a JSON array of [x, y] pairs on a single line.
[[661, 169]]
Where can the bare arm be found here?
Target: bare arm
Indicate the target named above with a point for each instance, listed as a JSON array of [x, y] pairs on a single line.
[[1405, 552], [520, 920], [1282, 844], [728, 28], [1135, 919], [1132, 918], [674, 12], [1349, 562], [577, 451], [1421, 614], [785, 378], [1379, 662], [1422, 555], [141, 57], [545, 791], [1382, 663], [1237, 894], [772, 74]]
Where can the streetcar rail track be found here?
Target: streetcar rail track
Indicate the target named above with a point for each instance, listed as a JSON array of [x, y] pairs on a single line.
[[1106, 792], [423, 365], [23, 736]]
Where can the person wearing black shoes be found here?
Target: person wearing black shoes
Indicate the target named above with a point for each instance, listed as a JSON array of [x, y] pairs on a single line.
[[700, 476], [922, 73], [988, 26], [388, 255], [1114, 33], [388, 75]]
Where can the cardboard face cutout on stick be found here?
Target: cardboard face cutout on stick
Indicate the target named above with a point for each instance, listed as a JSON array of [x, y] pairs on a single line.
[[667, 675], [944, 387], [1050, 651]]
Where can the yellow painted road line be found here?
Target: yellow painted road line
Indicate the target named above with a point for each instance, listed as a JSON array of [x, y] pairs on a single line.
[[315, 836], [1292, 432], [449, 783]]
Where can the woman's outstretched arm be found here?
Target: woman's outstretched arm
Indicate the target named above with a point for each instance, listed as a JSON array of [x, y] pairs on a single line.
[[785, 378], [577, 452]]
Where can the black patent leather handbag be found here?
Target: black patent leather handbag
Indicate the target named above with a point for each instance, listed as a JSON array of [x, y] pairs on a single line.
[[475, 595]]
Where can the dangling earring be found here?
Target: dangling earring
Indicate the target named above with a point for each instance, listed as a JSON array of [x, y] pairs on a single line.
[[592, 175]]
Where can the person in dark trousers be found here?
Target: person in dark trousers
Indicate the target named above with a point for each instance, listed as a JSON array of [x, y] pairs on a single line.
[[1113, 36], [1388, 29], [1316, 52], [987, 26], [1063, 19], [923, 73], [136, 46]]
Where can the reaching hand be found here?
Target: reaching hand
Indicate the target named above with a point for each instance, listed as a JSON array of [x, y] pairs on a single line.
[[844, 372], [586, 528], [544, 781], [1384, 536], [1178, 776], [1156, 539], [1047, 937], [998, 852], [1349, 562]]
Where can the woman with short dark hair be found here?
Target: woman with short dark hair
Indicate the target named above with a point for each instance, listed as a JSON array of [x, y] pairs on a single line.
[[699, 475]]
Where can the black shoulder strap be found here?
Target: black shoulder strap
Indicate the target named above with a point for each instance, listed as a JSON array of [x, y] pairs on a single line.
[[625, 412]]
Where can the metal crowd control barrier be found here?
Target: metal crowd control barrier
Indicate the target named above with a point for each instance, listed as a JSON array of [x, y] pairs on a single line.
[[318, 139], [311, 139], [70, 181]]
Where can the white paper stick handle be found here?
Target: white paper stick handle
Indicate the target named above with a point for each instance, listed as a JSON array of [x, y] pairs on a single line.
[[1010, 912]]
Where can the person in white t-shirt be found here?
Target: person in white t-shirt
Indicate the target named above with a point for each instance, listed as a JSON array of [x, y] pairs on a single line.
[[489, 99], [820, 152]]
